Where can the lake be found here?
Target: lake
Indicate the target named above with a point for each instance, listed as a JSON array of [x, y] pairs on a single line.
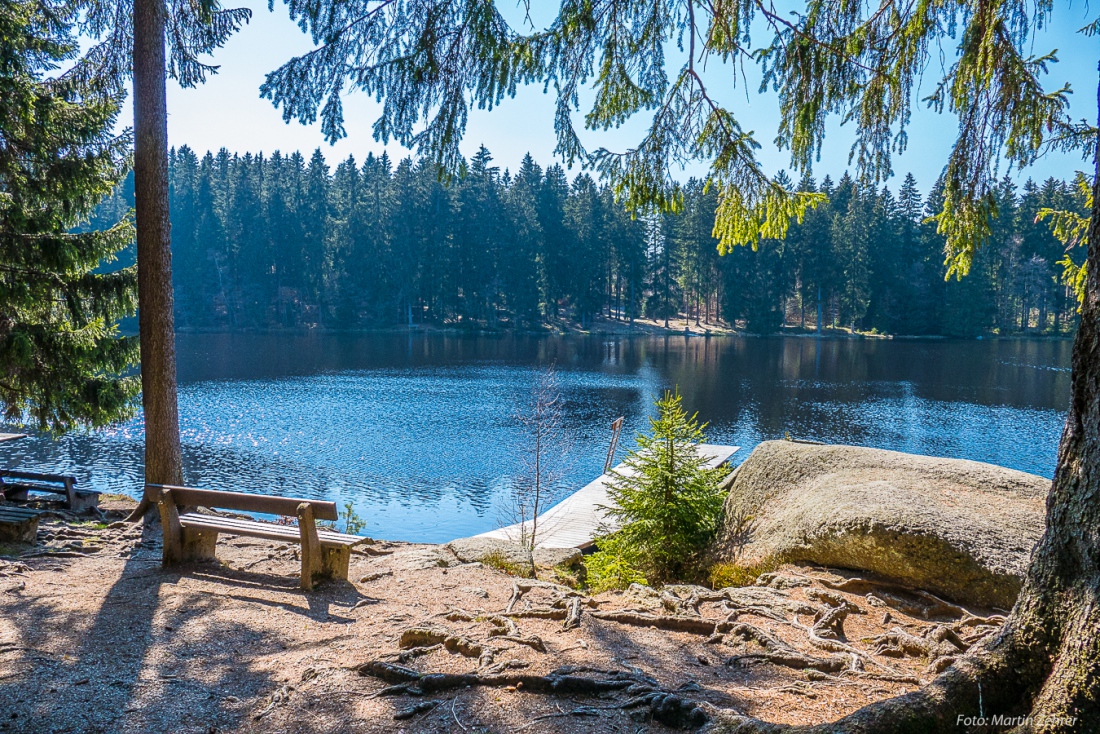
[[419, 432]]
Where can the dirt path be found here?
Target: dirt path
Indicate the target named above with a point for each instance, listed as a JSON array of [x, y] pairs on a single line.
[[96, 637]]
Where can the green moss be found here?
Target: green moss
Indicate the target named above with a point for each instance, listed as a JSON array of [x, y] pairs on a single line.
[[723, 575]]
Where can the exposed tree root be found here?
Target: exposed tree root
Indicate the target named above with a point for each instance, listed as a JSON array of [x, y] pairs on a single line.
[[736, 602], [460, 615], [937, 642], [666, 707], [993, 620], [8, 569], [777, 580], [862, 675], [533, 641], [417, 708], [939, 665], [497, 668], [758, 597], [911, 680], [519, 588], [696, 596], [830, 625], [779, 652], [736, 610], [578, 711], [829, 622], [834, 646], [415, 652], [824, 635], [573, 616], [502, 626], [927, 606], [994, 678], [697, 625], [539, 614], [433, 637]]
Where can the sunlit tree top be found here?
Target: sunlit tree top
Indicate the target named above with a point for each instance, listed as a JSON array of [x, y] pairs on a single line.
[[430, 61]]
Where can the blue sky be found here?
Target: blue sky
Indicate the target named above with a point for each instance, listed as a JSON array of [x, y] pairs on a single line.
[[228, 112]]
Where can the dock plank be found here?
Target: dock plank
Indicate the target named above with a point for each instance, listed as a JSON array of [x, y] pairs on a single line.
[[574, 522]]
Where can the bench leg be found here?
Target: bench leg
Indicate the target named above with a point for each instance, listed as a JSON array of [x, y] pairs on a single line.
[[198, 545], [21, 531], [335, 561], [170, 524], [83, 501], [311, 546]]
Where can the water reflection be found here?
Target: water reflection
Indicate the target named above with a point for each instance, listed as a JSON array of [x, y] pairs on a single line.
[[418, 431]]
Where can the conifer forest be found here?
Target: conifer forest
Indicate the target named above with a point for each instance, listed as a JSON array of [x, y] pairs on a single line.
[[282, 241]]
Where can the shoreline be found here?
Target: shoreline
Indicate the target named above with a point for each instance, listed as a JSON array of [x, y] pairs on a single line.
[[639, 329]]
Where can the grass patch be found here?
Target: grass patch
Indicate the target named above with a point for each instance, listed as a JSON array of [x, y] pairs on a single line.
[[613, 566], [501, 562], [574, 577], [93, 524], [12, 550], [116, 498]]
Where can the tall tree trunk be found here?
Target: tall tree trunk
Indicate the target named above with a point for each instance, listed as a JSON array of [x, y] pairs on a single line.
[[819, 314], [1044, 664], [156, 320]]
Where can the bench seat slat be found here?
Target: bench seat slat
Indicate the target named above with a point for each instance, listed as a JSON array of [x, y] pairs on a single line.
[[268, 531], [24, 487], [17, 512]]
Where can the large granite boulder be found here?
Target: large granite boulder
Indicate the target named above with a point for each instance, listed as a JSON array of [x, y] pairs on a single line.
[[961, 529]]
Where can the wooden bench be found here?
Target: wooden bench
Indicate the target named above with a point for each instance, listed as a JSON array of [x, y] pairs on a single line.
[[18, 524], [190, 536], [15, 484]]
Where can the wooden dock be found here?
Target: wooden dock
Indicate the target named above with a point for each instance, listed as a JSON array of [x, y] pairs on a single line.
[[575, 521]]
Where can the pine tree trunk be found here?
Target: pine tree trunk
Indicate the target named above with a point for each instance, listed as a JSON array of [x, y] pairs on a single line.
[[154, 254], [819, 314], [1045, 662]]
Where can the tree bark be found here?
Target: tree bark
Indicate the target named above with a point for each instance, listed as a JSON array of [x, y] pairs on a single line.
[[156, 320], [1043, 669]]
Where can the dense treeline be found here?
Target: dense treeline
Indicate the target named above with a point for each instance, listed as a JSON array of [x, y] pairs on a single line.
[[281, 241]]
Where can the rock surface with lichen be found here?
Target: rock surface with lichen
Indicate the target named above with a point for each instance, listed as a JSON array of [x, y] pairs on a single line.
[[476, 549], [961, 529]]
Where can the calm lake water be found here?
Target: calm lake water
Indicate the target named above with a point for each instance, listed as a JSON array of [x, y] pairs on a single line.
[[419, 432]]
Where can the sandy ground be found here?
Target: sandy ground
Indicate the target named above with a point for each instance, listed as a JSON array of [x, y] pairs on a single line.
[[96, 637]]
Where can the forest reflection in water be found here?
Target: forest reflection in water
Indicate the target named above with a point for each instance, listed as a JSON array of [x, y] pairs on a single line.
[[418, 431]]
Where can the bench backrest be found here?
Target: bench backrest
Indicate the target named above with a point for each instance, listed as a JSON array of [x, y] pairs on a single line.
[[34, 476], [287, 506]]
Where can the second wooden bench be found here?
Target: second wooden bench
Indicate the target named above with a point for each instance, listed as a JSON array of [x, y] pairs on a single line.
[[190, 536], [15, 485]]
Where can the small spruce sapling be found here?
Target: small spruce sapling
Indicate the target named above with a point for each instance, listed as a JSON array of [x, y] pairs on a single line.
[[353, 522], [667, 504]]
